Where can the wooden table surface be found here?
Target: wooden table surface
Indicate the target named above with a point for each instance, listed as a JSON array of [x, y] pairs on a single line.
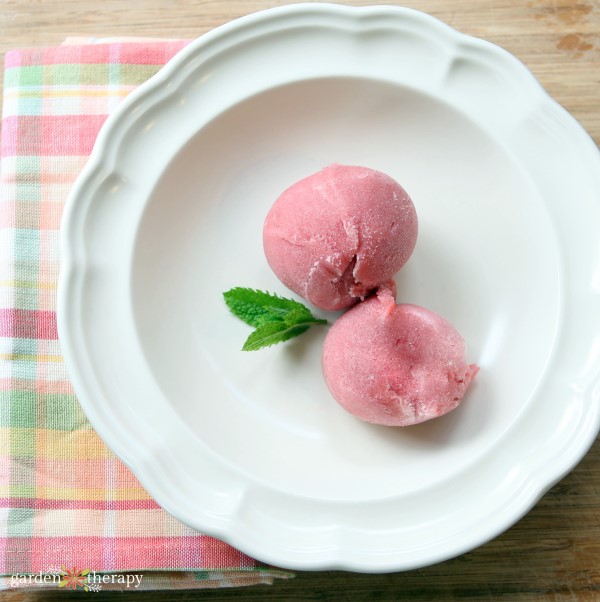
[[554, 552]]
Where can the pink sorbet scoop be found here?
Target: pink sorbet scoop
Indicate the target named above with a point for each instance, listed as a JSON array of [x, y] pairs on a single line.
[[395, 364], [336, 235]]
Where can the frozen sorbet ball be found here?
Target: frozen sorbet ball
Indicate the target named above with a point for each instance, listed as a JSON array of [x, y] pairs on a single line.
[[395, 364], [338, 234]]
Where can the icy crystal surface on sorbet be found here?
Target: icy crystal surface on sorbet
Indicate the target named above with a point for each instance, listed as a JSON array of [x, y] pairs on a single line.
[[395, 364], [338, 234]]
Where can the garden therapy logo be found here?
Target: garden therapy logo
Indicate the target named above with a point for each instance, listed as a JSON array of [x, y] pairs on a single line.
[[76, 579]]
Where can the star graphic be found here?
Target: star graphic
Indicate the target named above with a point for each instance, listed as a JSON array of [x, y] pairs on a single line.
[[74, 578]]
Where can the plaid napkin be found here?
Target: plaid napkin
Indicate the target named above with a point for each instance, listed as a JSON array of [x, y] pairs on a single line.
[[71, 514]]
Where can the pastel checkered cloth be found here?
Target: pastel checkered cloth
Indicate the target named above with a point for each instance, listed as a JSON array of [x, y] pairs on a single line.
[[65, 499]]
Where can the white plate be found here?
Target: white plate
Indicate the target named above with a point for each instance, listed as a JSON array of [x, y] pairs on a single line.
[[250, 447]]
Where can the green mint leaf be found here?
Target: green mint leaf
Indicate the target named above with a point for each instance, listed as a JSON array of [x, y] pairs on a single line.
[[257, 307], [272, 333], [275, 318], [301, 316]]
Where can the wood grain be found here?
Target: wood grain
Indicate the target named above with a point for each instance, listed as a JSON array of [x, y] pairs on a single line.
[[553, 554]]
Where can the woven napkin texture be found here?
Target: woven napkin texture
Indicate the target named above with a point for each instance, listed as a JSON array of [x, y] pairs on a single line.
[[67, 504]]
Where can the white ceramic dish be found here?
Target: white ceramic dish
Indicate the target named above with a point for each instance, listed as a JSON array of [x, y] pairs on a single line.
[[250, 447]]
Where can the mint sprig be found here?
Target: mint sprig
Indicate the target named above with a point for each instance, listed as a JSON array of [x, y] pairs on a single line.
[[276, 319]]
